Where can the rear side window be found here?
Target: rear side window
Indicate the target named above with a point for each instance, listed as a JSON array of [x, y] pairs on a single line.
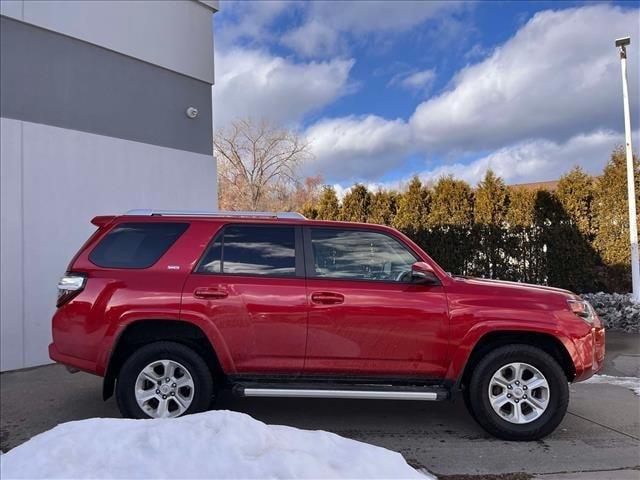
[[252, 250], [136, 245]]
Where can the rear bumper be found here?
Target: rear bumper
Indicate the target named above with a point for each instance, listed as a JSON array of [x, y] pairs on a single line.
[[71, 362], [590, 352]]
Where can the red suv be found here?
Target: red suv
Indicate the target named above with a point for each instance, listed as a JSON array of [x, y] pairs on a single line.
[[170, 307]]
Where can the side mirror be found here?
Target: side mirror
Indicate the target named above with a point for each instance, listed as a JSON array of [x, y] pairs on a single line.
[[422, 273]]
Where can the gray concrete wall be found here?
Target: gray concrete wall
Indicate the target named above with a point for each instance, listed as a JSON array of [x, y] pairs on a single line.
[[175, 34], [73, 84]]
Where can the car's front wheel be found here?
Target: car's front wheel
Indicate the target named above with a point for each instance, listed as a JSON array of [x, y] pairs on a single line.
[[163, 380], [518, 392]]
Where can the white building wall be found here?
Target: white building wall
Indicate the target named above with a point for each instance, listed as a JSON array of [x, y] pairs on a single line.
[[11, 249], [53, 182]]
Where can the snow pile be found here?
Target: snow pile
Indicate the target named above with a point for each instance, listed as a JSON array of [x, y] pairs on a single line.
[[632, 383], [219, 444], [616, 310]]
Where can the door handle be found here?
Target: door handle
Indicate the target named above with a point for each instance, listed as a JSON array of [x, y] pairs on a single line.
[[327, 298], [210, 293]]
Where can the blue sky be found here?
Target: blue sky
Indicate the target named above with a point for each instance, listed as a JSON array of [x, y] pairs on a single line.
[[386, 90]]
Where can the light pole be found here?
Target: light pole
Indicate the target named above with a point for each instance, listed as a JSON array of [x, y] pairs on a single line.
[[633, 225]]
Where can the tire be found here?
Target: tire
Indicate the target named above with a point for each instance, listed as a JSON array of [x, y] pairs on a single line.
[[188, 390], [467, 403], [518, 421]]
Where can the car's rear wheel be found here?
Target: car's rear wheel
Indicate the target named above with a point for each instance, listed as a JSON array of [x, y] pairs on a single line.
[[518, 392], [163, 380]]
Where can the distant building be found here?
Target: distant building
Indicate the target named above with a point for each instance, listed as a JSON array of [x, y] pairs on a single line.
[[93, 104], [551, 185]]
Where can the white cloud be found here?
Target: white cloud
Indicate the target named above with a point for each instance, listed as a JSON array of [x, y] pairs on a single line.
[[341, 191], [549, 97], [327, 23], [537, 160], [314, 38], [415, 81], [557, 77], [398, 186], [354, 148], [255, 83], [419, 80]]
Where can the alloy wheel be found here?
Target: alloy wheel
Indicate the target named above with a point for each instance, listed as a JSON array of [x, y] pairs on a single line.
[[519, 393], [164, 389]]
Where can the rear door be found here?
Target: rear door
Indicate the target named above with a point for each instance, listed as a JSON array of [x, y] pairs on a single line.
[[250, 284], [365, 314]]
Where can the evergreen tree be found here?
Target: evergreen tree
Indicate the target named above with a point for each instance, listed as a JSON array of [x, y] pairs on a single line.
[[521, 205], [451, 203], [490, 212], [524, 247], [567, 255], [383, 207], [491, 200], [575, 192], [611, 219], [309, 211], [572, 259], [356, 204], [328, 207], [449, 222], [413, 207]]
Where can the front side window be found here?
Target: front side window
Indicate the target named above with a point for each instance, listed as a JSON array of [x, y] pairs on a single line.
[[136, 245], [252, 250], [360, 255]]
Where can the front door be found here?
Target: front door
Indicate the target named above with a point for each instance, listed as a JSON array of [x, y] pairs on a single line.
[[250, 286], [366, 317]]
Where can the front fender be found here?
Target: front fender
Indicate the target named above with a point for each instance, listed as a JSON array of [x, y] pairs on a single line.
[[461, 353]]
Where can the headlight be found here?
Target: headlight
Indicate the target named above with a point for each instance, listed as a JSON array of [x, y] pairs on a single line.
[[583, 309]]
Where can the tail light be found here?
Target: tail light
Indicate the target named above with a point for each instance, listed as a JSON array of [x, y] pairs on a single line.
[[70, 285]]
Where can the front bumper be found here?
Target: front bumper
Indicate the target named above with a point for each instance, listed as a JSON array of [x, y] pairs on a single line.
[[590, 352]]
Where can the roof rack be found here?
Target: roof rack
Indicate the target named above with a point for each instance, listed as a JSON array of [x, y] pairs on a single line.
[[194, 213]]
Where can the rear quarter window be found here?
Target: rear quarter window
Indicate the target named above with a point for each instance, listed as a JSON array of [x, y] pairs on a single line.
[[136, 245]]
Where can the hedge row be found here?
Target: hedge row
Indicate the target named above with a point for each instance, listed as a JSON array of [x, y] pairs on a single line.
[[575, 237]]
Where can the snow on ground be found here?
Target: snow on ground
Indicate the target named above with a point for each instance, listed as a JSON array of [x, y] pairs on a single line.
[[217, 444], [632, 383]]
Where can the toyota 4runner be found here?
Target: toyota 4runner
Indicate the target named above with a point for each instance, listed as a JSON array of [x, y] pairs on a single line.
[[171, 307]]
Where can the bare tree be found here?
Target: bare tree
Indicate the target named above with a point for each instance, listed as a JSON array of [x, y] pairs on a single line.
[[257, 162]]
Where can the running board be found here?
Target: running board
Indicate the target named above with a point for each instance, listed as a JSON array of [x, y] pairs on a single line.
[[384, 393]]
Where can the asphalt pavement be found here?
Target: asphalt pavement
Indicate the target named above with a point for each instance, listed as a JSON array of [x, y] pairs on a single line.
[[599, 437]]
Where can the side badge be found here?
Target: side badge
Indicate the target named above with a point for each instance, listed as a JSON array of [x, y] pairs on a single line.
[[173, 267]]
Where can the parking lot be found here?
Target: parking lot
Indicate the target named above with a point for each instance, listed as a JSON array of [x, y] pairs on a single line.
[[601, 432]]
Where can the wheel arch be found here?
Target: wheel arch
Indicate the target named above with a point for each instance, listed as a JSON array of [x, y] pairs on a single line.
[[142, 332], [495, 339]]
